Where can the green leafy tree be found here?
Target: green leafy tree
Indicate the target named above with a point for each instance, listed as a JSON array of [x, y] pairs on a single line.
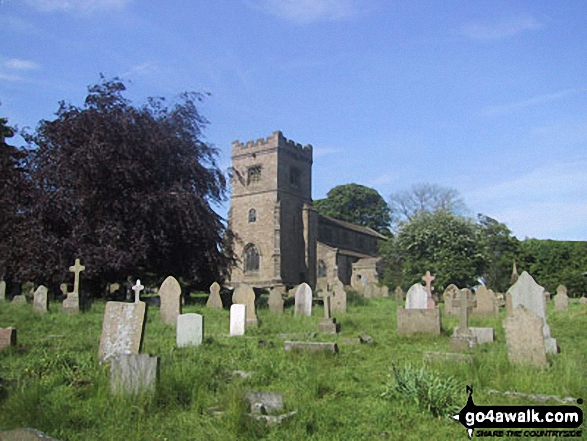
[[128, 190], [357, 204], [448, 246]]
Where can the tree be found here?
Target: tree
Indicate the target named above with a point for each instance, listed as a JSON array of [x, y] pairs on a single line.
[[356, 204], [128, 190], [405, 205], [448, 246]]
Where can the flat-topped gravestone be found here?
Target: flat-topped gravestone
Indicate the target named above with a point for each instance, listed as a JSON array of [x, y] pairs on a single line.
[[414, 321], [190, 330], [237, 319], [561, 300], [214, 301], [303, 300], [245, 295], [417, 297], [527, 293], [40, 299], [122, 329], [170, 294], [331, 347], [133, 374], [2, 291], [450, 297], [524, 336], [7, 337], [338, 300], [275, 301], [486, 302]]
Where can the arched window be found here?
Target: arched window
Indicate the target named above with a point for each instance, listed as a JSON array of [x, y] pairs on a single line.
[[252, 215], [322, 270], [251, 258]]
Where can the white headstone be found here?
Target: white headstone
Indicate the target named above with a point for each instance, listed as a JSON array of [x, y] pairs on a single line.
[[190, 330], [417, 297], [40, 299], [237, 319], [303, 300], [170, 294]]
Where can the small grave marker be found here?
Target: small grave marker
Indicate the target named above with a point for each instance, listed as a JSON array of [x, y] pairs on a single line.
[[214, 300], [237, 319]]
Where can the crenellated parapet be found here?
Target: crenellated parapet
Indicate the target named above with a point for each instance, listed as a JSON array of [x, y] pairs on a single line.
[[274, 141]]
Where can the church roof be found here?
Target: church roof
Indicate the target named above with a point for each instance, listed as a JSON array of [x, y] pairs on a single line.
[[354, 227]]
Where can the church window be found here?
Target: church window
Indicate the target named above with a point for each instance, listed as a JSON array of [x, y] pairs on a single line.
[[253, 174], [295, 177], [251, 258], [252, 215]]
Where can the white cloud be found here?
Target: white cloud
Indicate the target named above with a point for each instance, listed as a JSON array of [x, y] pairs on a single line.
[[83, 6], [10, 77], [535, 100], [318, 152], [308, 11], [19, 64], [502, 29]]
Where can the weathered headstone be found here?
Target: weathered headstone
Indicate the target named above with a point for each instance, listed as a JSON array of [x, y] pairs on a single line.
[[7, 337], [2, 291], [484, 335], [486, 302], [370, 290], [170, 294], [561, 300], [450, 297], [40, 299], [245, 295], [71, 303], [428, 279], [338, 299], [270, 402], [214, 301], [63, 289], [237, 319], [331, 347], [133, 374], [524, 336], [275, 301], [527, 293], [19, 299], [328, 324], [417, 297], [399, 294], [122, 328], [462, 338], [190, 330], [303, 300], [412, 321]]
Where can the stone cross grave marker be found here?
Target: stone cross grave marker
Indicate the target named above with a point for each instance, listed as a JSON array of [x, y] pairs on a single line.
[[190, 330], [462, 337], [561, 300], [328, 324], [428, 279], [137, 288], [275, 301], [214, 300], [170, 294], [40, 299], [245, 295], [238, 319], [303, 300], [71, 303], [417, 297], [76, 269], [524, 336]]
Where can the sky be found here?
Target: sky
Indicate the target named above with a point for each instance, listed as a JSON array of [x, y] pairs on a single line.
[[486, 97]]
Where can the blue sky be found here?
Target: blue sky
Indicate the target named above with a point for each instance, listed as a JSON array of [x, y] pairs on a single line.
[[487, 97]]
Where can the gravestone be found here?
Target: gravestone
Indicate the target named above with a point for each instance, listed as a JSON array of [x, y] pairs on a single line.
[[245, 295], [2, 291], [370, 290], [71, 303], [583, 301], [40, 299], [63, 289], [524, 336], [462, 338], [7, 337], [303, 300], [451, 296], [527, 293], [19, 299], [338, 298], [417, 297], [170, 294], [399, 294], [328, 324], [486, 302], [413, 321], [275, 301], [133, 374], [190, 330], [331, 347], [269, 402], [238, 319], [123, 327], [214, 301], [428, 279], [561, 300], [484, 335]]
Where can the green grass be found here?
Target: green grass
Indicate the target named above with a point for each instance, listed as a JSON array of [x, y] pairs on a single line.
[[52, 380]]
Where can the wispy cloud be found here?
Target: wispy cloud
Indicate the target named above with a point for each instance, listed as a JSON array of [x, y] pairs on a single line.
[[19, 64], [318, 152], [501, 29], [80, 6], [10, 77], [308, 11], [535, 100]]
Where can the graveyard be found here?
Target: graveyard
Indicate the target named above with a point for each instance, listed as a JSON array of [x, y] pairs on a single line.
[[337, 384]]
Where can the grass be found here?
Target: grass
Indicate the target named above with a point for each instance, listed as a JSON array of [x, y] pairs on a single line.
[[52, 380]]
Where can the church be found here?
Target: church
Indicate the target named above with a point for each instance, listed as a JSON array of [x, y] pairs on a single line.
[[279, 237]]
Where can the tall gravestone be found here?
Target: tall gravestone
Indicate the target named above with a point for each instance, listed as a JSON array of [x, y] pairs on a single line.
[[417, 297], [190, 330], [71, 303], [486, 302], [338, 301], [238, 319], [451, 297], [524, 336], [245, 295], [122, 327], [527, 293], [170, 294], [463, 338], [2, 291], [40, 299], [561, 300], [214, 301], [275, 300], [303, 300]]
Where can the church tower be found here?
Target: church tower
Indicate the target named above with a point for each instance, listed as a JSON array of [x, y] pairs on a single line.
[[271, 215]]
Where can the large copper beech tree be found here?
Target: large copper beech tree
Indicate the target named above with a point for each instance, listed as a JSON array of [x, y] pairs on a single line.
[[128, 190]]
